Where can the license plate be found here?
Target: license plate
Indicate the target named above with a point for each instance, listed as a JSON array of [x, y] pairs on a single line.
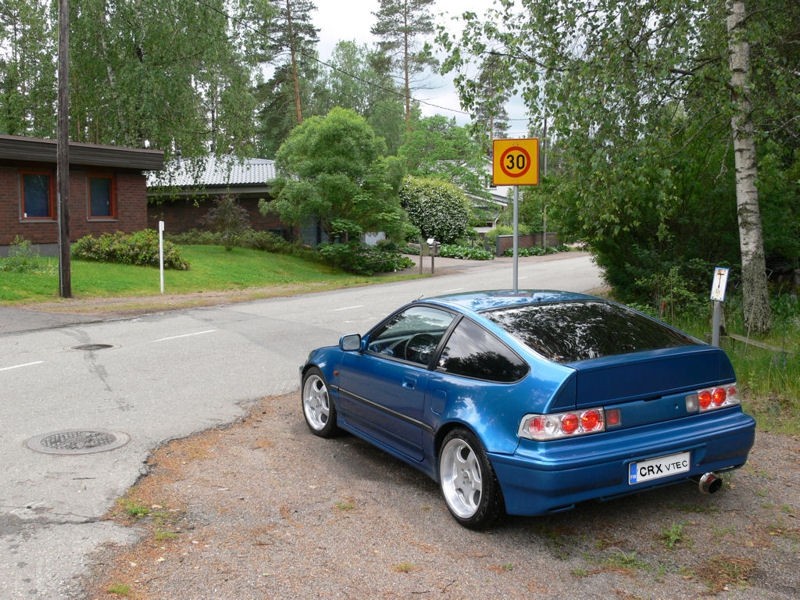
[[656, 468]]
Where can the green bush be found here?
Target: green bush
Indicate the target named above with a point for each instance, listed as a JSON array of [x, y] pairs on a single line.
[[537, 250], [491, 235], [196, 237], [256, 240], [670, 292], [139, 248], [363, 260], [22, 258], [464, 252], [437, 208]]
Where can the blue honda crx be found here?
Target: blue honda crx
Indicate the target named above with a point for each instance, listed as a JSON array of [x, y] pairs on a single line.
[[529, 402]]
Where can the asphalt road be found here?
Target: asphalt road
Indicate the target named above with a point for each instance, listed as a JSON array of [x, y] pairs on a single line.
[[142, 381]]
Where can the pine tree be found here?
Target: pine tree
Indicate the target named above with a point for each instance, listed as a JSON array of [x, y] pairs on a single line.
[[293, 41], [401, 26]]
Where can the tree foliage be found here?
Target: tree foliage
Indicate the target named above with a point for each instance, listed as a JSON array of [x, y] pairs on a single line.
[[27, 68], [333, 171], [636, 96], [439, 209], [438, 147], [191, 78], [354, 80], [176, 75], [162, 72], [490, 118]]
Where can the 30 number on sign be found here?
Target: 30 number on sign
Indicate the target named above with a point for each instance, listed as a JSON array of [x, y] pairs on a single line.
[[515, 161]]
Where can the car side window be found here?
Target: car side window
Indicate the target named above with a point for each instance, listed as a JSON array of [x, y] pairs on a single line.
[[412, 334], [474, 352]]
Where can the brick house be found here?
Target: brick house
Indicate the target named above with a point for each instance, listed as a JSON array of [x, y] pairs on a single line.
[[182, 194], [107, 190]]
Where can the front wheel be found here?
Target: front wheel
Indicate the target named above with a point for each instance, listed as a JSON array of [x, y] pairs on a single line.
[[468, 481], [318, 408]]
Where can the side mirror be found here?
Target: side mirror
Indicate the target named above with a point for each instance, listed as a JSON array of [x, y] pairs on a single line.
[[350, 343]]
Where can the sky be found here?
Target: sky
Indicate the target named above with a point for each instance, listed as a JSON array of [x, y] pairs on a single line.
[[352, 20]]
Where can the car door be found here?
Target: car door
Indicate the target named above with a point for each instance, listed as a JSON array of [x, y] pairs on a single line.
[[386, 384]]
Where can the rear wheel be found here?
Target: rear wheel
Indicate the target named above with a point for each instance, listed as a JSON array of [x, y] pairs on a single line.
[[318, 408], [469, 484]]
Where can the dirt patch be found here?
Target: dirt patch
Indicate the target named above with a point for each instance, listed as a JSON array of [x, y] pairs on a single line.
[[263, 509]]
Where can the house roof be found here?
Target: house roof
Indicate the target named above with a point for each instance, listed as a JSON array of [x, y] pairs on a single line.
[[19, 148], [214, 172], [495, 195]]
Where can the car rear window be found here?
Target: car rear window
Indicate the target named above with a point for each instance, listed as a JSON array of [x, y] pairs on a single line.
[[573, 331]]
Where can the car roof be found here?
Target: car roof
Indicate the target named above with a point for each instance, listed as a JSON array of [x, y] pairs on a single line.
[[481, 301]]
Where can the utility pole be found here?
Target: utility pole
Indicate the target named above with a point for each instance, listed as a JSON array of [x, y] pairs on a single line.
[[62, 151]]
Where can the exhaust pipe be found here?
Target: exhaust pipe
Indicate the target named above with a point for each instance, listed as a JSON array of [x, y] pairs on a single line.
[[710, 483]]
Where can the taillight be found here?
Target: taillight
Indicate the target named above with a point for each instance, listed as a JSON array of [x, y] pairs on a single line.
[[561, 425], [591, 420], [570, 423], [712, 398]]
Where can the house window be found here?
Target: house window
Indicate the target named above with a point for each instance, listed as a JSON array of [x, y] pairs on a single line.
[[38, 197], [102, 202]]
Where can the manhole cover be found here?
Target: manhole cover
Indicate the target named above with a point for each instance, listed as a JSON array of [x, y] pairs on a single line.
[[92, 347], [77, 441]]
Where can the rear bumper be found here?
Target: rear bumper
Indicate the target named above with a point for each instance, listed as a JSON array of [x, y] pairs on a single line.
[[544, 477]]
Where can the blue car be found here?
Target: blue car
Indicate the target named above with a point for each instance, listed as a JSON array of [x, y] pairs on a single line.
[[529, 402]]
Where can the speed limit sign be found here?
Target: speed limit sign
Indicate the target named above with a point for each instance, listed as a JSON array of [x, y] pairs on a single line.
[[515, 162]]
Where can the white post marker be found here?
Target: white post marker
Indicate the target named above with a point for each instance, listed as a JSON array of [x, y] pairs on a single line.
[[718, 297], [161, 253]]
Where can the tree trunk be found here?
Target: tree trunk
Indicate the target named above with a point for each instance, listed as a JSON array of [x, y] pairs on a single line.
[[755, 293]]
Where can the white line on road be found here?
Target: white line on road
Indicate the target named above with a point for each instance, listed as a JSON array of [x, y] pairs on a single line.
[[30, 364], [348, 308], [185, 335]]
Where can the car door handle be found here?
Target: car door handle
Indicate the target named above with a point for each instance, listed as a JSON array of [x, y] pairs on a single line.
[[409, 383]]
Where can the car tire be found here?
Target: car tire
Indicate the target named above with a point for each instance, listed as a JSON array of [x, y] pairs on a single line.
[[468, 481], [318, 408]]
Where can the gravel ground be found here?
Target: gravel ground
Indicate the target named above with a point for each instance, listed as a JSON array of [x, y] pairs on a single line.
[[264, 509]]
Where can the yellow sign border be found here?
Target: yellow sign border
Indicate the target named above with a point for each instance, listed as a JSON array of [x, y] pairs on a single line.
[[530, 176]]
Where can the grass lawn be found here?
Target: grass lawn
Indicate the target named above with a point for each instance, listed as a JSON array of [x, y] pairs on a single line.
[[212, 269]]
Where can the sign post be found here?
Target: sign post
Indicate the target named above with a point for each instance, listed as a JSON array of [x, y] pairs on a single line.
[[718, 297], [515, 162]]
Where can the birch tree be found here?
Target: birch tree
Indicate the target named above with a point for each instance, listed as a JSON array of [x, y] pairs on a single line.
[[27, 68], [176, 74], [173, 73], [754, 278]]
